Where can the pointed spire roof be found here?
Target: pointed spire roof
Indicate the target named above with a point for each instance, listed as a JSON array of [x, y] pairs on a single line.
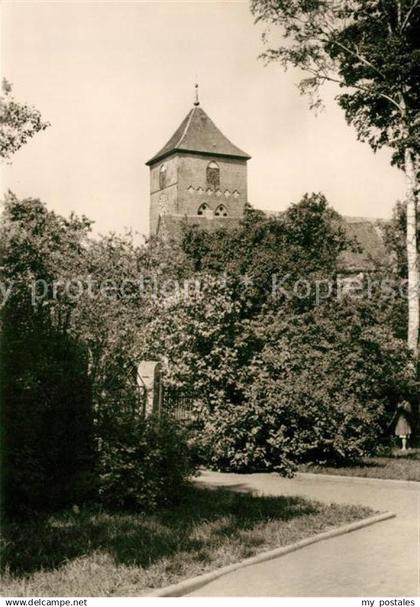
[[198, 134]]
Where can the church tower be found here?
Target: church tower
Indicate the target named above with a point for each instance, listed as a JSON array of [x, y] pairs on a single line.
[[198, 177]]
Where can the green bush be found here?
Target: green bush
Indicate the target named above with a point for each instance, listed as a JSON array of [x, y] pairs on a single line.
[[143, 463], [323, 389]]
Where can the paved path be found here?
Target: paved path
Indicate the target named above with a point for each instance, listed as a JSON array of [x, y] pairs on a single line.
[[382, 560]]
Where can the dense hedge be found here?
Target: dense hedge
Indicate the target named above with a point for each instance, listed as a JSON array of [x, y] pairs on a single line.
[[46, 416]]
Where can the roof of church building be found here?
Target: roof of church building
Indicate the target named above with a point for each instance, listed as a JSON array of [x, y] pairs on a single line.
[[367, 235], [198, 134], [370, 251]]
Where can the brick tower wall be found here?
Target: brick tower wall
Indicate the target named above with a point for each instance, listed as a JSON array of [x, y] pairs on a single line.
[[193, 189], [163, 201]]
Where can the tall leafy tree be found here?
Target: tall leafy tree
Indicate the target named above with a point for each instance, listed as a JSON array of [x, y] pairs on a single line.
[[263, 249], [371, 49], [18, 122], [45, 390]]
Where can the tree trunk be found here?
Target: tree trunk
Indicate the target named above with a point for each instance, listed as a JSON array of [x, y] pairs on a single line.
[[412, 262]]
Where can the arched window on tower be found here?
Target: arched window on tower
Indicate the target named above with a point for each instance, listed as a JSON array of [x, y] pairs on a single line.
[[162, 177], [213, 175], [203, 208], [221, 211]]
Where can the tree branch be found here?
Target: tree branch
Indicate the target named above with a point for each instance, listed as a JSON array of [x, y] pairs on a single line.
[[408, 15], [331, 31], [357, 54], [324, 76]]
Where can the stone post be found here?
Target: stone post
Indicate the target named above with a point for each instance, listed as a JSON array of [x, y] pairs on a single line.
[[149, 374]]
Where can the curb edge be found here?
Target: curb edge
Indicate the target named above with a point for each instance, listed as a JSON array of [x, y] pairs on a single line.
[[186, 586]]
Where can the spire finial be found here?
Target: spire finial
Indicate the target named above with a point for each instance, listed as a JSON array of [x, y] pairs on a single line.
[[197, 101]]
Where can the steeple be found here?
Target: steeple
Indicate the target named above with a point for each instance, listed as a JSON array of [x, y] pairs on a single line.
[[197, 133], [198, 176], [197, 101]]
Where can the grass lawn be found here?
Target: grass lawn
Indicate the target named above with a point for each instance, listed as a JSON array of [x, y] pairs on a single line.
[[401, 467], [102, 553]]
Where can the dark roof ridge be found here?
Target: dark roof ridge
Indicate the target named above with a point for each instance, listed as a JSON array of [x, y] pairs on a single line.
[[190, 115]]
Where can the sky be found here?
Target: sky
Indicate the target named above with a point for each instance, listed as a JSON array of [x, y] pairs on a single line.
[[115, 80]]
